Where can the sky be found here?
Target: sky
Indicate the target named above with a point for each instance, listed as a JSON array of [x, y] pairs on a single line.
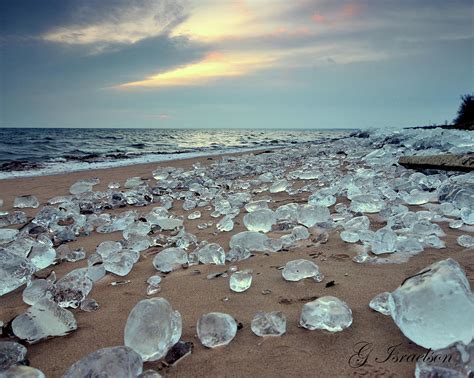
[[234, 63]]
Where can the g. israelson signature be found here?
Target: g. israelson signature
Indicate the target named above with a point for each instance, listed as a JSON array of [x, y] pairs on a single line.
[[364, 351]]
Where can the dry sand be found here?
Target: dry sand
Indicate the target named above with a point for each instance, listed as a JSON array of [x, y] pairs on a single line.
[[297, 353]]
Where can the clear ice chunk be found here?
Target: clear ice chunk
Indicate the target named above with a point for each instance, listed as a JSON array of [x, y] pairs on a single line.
[[170, 259], [240, 281], [44, 319], [384, 241], [309, 215], [466, 241], [25, 202], [380, 303], [225, 224], [7, 235], [211, 253], [269, 323], [14, 271], [11, 353], [297, 270], [366, 203], [260, 220], [216, 329], [152, 328], [21, 371], [328, 313], [249, 240], [72, 288], [435, 307], [119, 361]]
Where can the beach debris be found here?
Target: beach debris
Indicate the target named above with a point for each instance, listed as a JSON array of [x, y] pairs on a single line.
[[260, 220], [179, 351], [266, 291], [118, 361], [328, 313], [20, 371], [240, 281], [211, 253], [27, 201], [170, 259], [456, 361], [297, 270], [466, 241], [269, 323], [216, 329], [152, 328], [44, 319], [119, 283], [435, 307], [380, 303], [11, 353]]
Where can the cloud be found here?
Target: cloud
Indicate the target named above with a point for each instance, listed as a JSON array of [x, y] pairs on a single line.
[[126, 24], [214, 66]]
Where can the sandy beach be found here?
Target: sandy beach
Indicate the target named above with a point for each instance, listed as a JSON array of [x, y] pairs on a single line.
[[297, 353]]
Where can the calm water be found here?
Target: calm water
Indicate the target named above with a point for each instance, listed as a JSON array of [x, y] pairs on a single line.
[[25, 152]]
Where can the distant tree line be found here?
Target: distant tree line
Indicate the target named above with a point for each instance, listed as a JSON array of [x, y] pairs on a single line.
[[465, 111]]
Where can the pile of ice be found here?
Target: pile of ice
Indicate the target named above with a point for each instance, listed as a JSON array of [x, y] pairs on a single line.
[[353, 186]]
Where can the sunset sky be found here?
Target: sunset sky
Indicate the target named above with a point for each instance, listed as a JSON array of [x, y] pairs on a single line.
[[226, 63]]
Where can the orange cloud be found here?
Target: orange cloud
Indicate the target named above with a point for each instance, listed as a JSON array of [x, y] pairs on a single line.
[[350, 10], [319, 18], [214, 66]]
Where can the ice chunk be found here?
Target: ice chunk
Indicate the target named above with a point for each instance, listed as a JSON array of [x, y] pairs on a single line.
[[211, 253], [250, 240], [279, 186], [349, 236], [73, 288], [225, 224], [466, 241], [11, 353], [297, 270], [36, 290], [26, 201], [380, 303], [328, 313], [133, 182], [216, 329], [89, 305], [256, 205], [384, 241], [119, 361], [7, 235], [42, 255], [467, 215], [152, 328], [168, 224], [121, 262], [45, 318], [14, 271], [240, 281], [300, 233], [194, 215], [80, 187], [269, 323], [170, 259], [260, 220], [108, 248], [20, 371], [456, 361], [150, 373], [357, 224], [366, 203], [309, 215], [435, 307]]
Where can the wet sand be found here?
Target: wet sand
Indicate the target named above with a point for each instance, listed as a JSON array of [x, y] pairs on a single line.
[[297, 353]]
